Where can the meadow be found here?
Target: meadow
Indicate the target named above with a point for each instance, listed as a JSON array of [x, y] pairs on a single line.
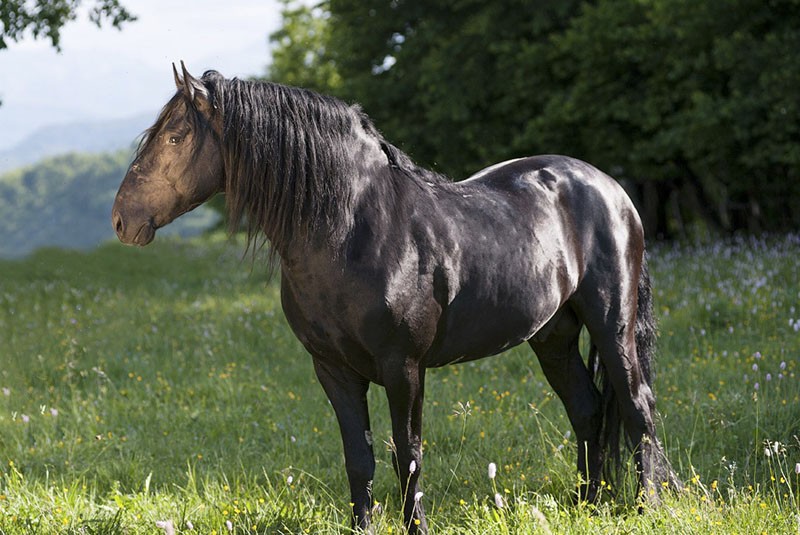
[[160, 390]]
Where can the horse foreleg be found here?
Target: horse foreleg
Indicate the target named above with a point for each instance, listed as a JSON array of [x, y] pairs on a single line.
[[347, 393], [562, 364], [404, 384]]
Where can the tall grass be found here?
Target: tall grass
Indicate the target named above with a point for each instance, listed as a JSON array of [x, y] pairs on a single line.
[[163, 385]]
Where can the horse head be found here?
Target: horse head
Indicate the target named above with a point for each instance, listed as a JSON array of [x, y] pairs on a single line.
[[177, 166]]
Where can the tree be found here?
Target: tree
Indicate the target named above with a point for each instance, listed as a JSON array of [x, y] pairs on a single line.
[[300, 54], [441, 78], [692, 105], [45, 18]]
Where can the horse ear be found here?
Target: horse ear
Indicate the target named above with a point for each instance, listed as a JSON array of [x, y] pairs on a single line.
[[192, 88], [178, 81]]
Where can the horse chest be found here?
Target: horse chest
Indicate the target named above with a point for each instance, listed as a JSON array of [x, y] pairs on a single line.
[[357, 323]]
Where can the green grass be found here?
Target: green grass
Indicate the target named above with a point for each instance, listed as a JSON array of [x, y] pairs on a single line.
[[163, 384]]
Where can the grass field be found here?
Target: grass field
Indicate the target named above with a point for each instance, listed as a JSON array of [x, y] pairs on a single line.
[[142, 387]]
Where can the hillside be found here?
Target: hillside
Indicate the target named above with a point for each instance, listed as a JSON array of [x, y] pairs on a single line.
[[66, 201], [81, 136]]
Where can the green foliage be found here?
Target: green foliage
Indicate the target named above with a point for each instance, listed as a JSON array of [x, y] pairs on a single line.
[[691, 104], [300, 54], [66, 201], [158, 384], [44, 19]]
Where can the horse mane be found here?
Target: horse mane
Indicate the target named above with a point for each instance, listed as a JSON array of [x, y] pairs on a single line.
[[287, 159]]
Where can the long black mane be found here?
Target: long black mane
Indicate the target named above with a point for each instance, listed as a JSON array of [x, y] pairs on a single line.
[[288, 159]]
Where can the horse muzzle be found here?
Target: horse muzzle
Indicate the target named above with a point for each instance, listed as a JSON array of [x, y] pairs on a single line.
[[133, 230]]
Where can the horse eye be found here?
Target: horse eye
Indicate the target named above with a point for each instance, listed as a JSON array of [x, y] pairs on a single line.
[[174, 140]]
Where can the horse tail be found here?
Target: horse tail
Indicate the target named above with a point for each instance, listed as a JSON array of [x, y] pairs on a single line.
[[646, 330], [645, 334]]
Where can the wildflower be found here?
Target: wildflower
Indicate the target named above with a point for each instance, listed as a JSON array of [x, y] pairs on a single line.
[[25, 418], [768, 378], [6, 391], [492, 470], [767, 452], [797, 469], [229, 525], [412, 467], [756, 386], [757, 355], [418, 496], [289, 480], [167, 526], [498, 500], [53, 412], [783, 365], [189, 525], [755, 367]]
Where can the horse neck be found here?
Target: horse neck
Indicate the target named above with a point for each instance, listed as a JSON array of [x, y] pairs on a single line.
[[367, 179]]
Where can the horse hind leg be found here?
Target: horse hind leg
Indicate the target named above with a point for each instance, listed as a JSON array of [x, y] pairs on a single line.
[[627, 389], [559, 355]]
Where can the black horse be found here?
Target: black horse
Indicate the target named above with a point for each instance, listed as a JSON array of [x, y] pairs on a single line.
[[388, 269]]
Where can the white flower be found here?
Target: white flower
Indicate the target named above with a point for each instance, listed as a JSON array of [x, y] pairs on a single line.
[[412, 467], [167, 526], [289, 480], [418, 496], [797, 469], [492, 470], [229, 525], [189, 525], [498, 500]]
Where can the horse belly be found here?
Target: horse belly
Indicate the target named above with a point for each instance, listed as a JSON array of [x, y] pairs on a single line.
[[472, 333]]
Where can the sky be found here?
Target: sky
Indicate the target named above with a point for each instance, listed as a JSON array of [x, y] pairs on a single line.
[[110, 74]]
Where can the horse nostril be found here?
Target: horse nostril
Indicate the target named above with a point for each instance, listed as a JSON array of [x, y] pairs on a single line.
[[119, 226]]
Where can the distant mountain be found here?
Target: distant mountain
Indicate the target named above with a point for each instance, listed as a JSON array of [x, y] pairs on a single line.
[[82, 137]]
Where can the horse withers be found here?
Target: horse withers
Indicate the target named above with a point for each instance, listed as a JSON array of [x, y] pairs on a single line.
[[388, 269]]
